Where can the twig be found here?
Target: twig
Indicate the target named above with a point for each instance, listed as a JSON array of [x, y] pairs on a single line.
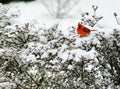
[[115, 14]]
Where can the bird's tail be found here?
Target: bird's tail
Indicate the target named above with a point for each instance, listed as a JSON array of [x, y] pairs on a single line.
[[93, 30]]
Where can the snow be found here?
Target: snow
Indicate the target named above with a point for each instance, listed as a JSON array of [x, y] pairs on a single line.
[[53, 51], [70, 67], [64, 56], [36, 13], [43, 39], [6, 85], [45, 55], [29, 58]]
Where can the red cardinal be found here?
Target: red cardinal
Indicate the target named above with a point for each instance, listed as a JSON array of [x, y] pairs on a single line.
[[82, 30]]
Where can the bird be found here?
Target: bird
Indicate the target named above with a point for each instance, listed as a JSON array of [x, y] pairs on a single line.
[[83, 31]]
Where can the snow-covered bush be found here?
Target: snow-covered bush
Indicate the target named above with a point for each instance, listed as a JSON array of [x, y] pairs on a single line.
[[107, 69], [50, 60], [19, 65], [15, 70], [109, 58], [18, 36], [59, 8], [7, 19], [63, 66], [91, 20]]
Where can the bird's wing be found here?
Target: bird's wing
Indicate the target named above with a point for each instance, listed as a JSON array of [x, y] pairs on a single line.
[[85, 29]]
